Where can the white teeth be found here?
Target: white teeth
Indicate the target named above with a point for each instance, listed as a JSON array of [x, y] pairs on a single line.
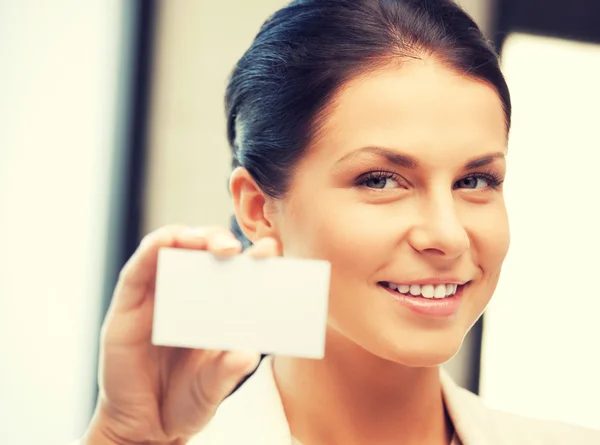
[[403, 288], [415, 289], [428, 291], [425, 290], [440, 291]]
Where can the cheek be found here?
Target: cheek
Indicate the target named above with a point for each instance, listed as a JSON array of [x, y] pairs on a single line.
[[490, 239], [351, 235], [491, 236]]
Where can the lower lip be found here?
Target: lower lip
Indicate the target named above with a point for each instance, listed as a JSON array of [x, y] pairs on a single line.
[[430, 307]]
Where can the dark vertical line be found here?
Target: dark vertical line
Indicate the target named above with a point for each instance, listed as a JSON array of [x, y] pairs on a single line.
[[135, 138], [499, 24], [141, 85], [477, 344], [128, 183], [131, 139]]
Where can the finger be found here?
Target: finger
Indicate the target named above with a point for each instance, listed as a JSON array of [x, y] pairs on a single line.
[[264, 248], [223, 244], [139, 273]]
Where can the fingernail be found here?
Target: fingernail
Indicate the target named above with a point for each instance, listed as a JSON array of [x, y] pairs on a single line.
[[225, 242], [195, 232], [268, 240]]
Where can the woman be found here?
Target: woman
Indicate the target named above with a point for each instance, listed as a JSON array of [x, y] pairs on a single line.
[[372, 134]]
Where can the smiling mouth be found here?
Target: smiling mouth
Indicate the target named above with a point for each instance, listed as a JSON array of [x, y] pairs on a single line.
[[428, 291]]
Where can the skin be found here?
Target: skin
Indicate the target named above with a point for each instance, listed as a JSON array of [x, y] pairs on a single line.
[[380, 379]]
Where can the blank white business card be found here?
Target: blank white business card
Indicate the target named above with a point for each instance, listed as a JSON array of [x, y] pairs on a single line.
[[272, 306]]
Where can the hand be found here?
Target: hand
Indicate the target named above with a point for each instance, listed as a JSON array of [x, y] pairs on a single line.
[[153, 394]]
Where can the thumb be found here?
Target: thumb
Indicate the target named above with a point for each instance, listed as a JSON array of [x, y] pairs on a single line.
[[188, 409], [230, 370]]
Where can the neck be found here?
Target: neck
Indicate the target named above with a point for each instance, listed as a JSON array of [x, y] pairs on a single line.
[[354, 397]]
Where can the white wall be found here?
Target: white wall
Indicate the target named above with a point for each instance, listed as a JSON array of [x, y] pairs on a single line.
[[58, 90], [540, 351], [198, 44]]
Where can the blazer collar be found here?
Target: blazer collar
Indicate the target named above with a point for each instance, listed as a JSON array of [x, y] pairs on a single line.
[[254, 415], [472, 420]]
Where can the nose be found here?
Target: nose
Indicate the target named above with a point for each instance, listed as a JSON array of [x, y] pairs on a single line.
[[439, 230]]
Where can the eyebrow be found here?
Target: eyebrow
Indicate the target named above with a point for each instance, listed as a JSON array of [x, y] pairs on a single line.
[[407, 161]]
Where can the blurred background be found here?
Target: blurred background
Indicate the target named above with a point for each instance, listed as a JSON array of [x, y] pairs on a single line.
[[112, 124]]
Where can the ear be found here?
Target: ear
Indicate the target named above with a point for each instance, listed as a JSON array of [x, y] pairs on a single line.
[[253, 207]]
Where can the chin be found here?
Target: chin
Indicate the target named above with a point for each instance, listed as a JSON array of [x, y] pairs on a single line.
[[408, 347], [429, 352], [424, 359]]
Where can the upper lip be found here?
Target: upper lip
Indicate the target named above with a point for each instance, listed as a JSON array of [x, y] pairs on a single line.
[[432, 281]]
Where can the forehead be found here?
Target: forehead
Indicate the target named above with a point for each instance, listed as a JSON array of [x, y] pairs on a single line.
[[418, 107]]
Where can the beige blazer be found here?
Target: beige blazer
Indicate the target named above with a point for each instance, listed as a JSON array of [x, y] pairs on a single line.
[[254, 416]]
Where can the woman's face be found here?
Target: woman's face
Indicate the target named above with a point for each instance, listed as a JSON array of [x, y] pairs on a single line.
[[404, 187]]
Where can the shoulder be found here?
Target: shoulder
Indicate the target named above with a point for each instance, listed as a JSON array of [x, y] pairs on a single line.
[[501, 427], [535, 431]]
